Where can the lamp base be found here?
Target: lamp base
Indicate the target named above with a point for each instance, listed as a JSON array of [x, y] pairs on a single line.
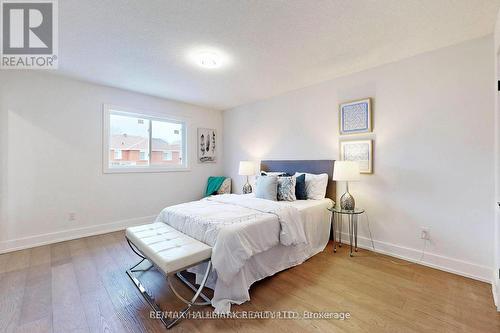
[[247, 188], [347, 201]]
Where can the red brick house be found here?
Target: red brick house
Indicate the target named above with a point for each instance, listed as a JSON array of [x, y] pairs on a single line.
[[133, 150]]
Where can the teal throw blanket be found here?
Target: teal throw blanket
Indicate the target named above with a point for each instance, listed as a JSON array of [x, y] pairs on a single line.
[[213, 185]]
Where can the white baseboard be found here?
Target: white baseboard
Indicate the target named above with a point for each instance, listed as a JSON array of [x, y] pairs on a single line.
[[447, 264], [64, 235]]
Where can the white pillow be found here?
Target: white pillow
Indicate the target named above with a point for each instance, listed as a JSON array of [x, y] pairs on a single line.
[[225, 188], [315, 185]]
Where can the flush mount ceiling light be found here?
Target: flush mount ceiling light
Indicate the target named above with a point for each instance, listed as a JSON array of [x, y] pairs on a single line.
[[208, 58]]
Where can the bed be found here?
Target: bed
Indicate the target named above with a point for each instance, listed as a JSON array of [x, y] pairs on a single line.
[[252, 238]]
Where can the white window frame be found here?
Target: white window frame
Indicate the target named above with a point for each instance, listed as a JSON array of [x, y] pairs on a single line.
[[109, 109]]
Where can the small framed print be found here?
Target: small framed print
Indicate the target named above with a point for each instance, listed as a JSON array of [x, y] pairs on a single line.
[[207, 145], [355, 117], [360, 151]]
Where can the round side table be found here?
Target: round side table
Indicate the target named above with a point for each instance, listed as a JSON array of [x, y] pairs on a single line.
[[337, 219]]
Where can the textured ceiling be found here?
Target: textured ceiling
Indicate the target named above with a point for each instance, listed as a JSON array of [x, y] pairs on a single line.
[[272, 46]]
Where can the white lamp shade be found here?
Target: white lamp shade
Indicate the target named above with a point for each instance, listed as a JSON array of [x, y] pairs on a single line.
[[247, 168], [346, 170]]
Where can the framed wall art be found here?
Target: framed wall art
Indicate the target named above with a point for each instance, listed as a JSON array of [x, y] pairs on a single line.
[[360, 151], [207, 145], [355, 117]]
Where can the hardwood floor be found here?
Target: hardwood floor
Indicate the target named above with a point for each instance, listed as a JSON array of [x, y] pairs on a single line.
[[81, 286]]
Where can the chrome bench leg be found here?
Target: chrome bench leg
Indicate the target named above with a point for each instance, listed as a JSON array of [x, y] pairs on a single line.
[[190, 285], [198, 292], [147, 296]]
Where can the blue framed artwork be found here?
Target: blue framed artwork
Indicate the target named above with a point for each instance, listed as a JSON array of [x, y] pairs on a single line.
[[355, 117]]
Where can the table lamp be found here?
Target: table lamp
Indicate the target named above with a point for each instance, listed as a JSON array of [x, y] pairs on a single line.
[[247, 168], [346, 171]]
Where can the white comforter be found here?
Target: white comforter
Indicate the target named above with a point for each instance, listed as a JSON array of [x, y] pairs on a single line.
[[237, 227]]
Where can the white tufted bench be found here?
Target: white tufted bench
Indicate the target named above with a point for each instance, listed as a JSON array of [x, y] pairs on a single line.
[[171, 251]]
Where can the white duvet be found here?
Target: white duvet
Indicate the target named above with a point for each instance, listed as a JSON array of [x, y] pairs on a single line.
[[251, 239], [237, 227]]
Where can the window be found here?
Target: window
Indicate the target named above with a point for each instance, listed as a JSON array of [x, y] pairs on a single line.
[[118, 154], [167, 155], [138, 142]]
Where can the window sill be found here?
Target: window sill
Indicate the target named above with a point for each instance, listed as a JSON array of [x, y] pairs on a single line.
[[144, 170]]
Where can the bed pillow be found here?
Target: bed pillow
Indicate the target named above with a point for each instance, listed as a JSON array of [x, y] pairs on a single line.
[[286, 189], [225, 188], [267, 188], [315, 185], [277, 174], [300, 187]]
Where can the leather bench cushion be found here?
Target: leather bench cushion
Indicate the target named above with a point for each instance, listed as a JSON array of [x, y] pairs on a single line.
[[169, 249]]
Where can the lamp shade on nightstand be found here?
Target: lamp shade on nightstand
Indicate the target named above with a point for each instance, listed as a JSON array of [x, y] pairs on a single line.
[[346, 171], [247, 168]]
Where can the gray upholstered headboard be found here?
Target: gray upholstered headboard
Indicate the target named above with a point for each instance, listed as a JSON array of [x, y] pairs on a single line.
[[309, 166]]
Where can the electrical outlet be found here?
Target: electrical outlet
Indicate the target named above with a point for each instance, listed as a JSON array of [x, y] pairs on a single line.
[[71, 217], [425, 233]]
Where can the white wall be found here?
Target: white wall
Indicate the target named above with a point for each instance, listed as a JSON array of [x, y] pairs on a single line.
[[433, 150], [51, 134]]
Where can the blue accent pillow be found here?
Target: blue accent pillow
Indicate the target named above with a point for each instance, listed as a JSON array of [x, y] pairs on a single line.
[[266, 187], [300, 187]]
